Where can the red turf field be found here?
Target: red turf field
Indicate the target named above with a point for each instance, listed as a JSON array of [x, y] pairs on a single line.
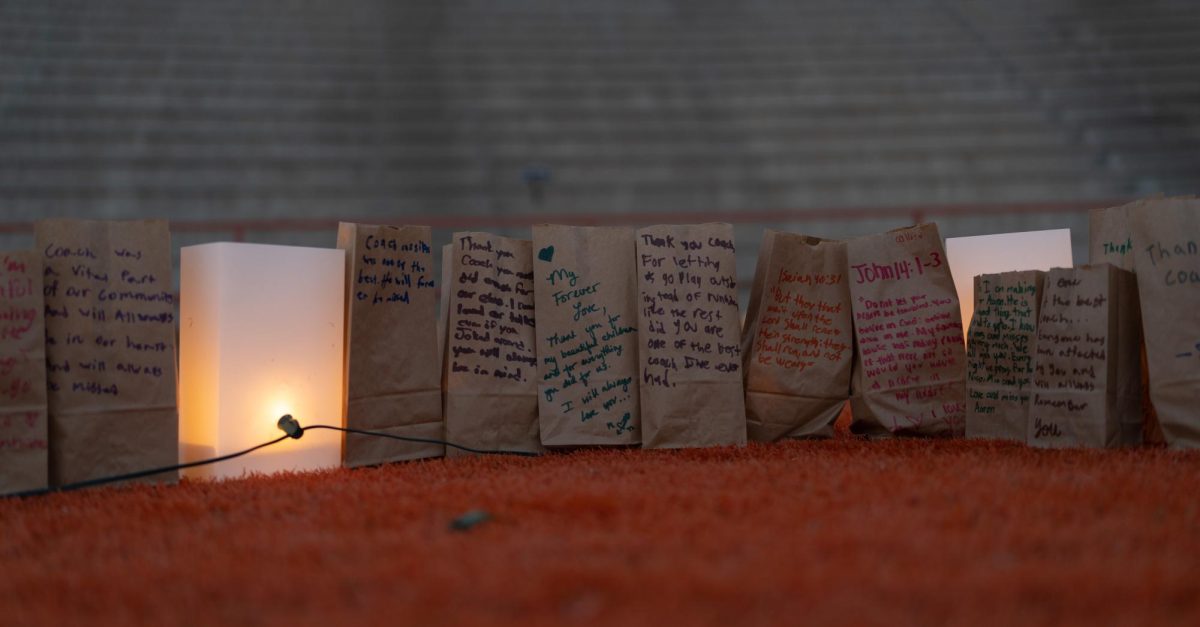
[[842, 531]]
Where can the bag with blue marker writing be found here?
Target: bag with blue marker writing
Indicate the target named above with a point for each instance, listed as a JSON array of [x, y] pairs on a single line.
[[110, 348], [393, 384], [587, 335], [1166, 249], [490, 364]]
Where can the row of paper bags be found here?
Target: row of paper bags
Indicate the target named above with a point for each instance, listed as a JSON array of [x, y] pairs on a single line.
[[87, 354], [1101, 355], [611, 336], [873, 320]]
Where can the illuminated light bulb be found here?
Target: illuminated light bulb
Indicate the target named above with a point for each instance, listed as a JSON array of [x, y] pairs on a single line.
[[261, 336]]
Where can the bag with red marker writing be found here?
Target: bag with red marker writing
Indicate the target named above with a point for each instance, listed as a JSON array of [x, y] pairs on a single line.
[[798, 340], [1166, 242], [24, 460], [910, 361], [1086, 372]]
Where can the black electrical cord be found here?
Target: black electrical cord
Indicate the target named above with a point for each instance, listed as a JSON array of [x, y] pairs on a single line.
[[426, 441], [292, 430]]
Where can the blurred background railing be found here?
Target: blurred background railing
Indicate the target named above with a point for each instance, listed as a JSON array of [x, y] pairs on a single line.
[[268, 120]]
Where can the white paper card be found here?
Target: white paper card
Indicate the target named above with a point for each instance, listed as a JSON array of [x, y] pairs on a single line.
[[1004, 252]]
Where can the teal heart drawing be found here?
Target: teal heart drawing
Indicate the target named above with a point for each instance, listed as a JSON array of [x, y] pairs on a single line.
[[546, 254]]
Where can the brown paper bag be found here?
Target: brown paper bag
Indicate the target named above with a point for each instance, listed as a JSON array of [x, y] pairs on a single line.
[[1110, 240], [444, 311], [392, 381], [1109, 237], [1086, 375], [24, 460], [587, 340], [1166, 240], [798, 344], [690, 354], [1000, 345], [910, 362], [110, 348], [491, 363]]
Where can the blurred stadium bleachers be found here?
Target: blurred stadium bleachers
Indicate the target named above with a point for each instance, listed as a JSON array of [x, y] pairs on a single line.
[[267, 121]]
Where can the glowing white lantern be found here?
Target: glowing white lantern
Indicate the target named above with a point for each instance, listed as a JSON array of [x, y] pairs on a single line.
[[1004, 252], [260, 336]]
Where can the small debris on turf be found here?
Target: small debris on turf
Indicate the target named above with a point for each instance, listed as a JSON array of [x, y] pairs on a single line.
[[469, 520]]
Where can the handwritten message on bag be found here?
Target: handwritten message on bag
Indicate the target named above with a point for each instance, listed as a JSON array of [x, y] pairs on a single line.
[[1110, 238], [393, 384], [444, 307], [910, 362], [1086, 377], [798, 342], [691, 379], [491, 358], [24, 460], [110, 347], [1166, 236], [1000, 347], [585, 292]]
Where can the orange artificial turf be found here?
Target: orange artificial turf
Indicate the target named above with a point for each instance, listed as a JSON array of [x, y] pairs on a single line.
[[819, 532]]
